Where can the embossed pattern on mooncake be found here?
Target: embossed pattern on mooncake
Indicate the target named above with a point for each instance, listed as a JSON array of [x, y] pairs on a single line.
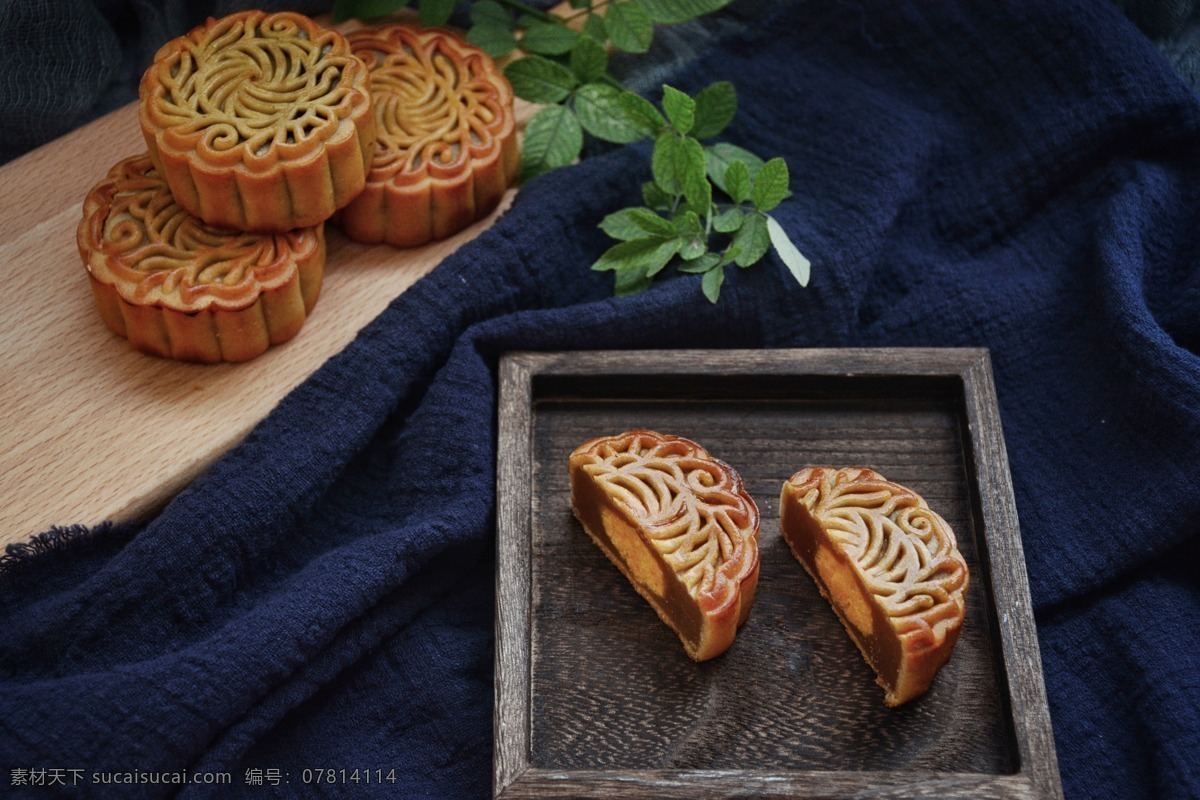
[[692, 510], [178, 287], [446, 147], [903, 554], [259, 121]]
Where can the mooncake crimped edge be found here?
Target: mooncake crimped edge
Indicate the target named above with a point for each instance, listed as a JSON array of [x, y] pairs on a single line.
[[407, 210], [242, 194]]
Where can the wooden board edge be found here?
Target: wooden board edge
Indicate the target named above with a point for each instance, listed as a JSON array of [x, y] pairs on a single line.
[[1021, 654], [514, 471], [710, 785], [865, 361]]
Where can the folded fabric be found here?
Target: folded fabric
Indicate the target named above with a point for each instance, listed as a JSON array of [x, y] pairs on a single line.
[[1025, 178]]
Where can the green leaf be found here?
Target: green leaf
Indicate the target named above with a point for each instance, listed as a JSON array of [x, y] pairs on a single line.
[[540, 80], [589, 59], [729, 221], [581, 3], [681, 109], [631, 281], [490, 11], [649, 255], [770, 185], [629, 26], [737, 182], [655, 197], [641, 113], [691, 230], [696, 187], [687, 223], [549, 39], [436, 12], [715, 109], [593, 26], [711, 283], [552, 139], [796, 263], [751, 241], [619, 225], [677, 163], [719, 156], [365, 9], [605, 116], [693, 248], [702, 264], [495, 40], [672, 11], [636, 223]]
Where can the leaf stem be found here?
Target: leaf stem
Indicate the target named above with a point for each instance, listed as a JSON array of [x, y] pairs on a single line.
[[585, 11], [530, 10]]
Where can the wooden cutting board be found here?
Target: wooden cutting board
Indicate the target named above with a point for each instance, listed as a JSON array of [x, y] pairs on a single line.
[[95, 430]]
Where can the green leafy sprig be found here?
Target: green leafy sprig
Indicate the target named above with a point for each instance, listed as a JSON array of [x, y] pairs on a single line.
[[566, 63], [683, 220], [706, 207]]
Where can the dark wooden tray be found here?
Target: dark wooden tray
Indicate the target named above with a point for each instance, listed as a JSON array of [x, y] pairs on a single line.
[[594, 695]]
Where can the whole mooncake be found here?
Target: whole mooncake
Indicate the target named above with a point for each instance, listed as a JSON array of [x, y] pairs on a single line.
[[446, 147], [178, 287], [259, 122], [678, 524], [887, 563]]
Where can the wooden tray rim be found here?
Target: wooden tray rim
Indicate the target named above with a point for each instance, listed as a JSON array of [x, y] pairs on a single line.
[[1036, 773]]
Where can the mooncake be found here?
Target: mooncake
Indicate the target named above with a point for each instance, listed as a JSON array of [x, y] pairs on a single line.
[[888, 565], [177, 287], [446, 146], [259, 122], [678, 524]]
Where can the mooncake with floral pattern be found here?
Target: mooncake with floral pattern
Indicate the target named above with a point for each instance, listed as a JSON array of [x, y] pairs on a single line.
[[680, 526], [259, 122], [887, 563], [446, 146], [177, 287]]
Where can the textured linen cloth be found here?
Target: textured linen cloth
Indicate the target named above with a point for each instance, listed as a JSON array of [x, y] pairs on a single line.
[[1024, 178]]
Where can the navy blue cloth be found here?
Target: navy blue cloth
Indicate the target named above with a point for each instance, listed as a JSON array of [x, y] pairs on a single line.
[[1022, 177]]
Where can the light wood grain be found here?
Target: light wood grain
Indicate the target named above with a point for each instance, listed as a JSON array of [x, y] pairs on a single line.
[[594, 696], [95, 430]]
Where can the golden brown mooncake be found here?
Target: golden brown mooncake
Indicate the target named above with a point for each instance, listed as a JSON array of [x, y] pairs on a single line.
[[446, 147], [887, 563], [678, 524], [259, 122], [180, 288]]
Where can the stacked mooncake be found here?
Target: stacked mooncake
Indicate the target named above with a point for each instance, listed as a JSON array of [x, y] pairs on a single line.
[[259, 128]]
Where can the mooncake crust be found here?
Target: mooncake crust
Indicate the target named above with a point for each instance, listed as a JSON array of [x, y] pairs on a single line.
[[446, 138], [177, 287], [259, 122], [888, 564], [695, 555]]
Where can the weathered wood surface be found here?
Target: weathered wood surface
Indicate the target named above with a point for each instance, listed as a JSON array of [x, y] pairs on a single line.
[[614, 708]]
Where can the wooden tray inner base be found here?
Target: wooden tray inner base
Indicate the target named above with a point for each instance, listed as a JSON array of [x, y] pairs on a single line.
[[611, 686]]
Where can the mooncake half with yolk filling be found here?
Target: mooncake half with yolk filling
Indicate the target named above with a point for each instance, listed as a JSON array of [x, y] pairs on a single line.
[[888, 565], [680, 526]]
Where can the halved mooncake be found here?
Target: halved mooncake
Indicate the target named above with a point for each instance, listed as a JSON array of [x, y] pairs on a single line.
[[180, 288], [889, 566], [259, 122], [446, 147], [678, 524]]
